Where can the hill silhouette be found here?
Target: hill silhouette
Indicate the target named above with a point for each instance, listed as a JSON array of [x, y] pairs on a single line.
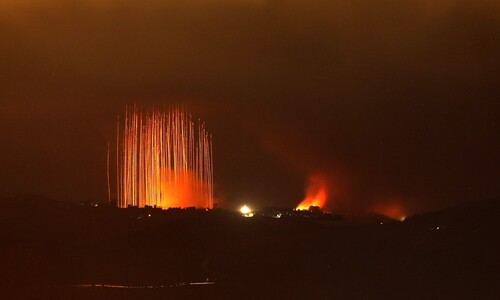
[[50, 249]]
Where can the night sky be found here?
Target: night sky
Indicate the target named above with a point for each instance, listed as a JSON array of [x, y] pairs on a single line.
[[394, 103]]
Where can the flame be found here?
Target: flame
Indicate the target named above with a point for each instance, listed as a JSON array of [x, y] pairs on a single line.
[[316, 193]]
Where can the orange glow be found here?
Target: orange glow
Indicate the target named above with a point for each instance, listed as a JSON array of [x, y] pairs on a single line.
[[316, 193], [163, 160], [392, 210]]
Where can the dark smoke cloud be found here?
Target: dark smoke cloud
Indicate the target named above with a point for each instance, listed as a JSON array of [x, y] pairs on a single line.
[[388, 99]]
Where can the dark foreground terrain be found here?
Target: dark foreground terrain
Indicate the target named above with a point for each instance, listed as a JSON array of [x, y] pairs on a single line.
[[50, 250]]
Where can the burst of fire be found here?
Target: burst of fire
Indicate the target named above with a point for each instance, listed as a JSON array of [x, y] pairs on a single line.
[[163, 159], [316, 194]]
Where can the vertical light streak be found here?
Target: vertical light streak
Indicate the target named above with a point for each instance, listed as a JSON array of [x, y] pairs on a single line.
[[107, 175], [163, 159], [118, 158]]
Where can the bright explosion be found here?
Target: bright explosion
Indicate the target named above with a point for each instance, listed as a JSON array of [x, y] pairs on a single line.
[[163, 160]]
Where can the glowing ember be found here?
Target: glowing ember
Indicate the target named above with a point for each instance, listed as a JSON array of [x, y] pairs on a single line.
[[163, 159], [316, 194]]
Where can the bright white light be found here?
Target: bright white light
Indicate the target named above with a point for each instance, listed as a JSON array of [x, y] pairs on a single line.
[[246, 211]]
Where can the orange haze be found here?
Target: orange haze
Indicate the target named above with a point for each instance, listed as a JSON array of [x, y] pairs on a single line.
[[392, 210]]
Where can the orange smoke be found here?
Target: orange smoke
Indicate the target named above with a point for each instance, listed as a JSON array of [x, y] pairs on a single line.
[[316, 193]]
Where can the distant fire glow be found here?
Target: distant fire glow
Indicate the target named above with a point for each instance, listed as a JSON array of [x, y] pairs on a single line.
[[163, 159], [391, 210], [316, 194]]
